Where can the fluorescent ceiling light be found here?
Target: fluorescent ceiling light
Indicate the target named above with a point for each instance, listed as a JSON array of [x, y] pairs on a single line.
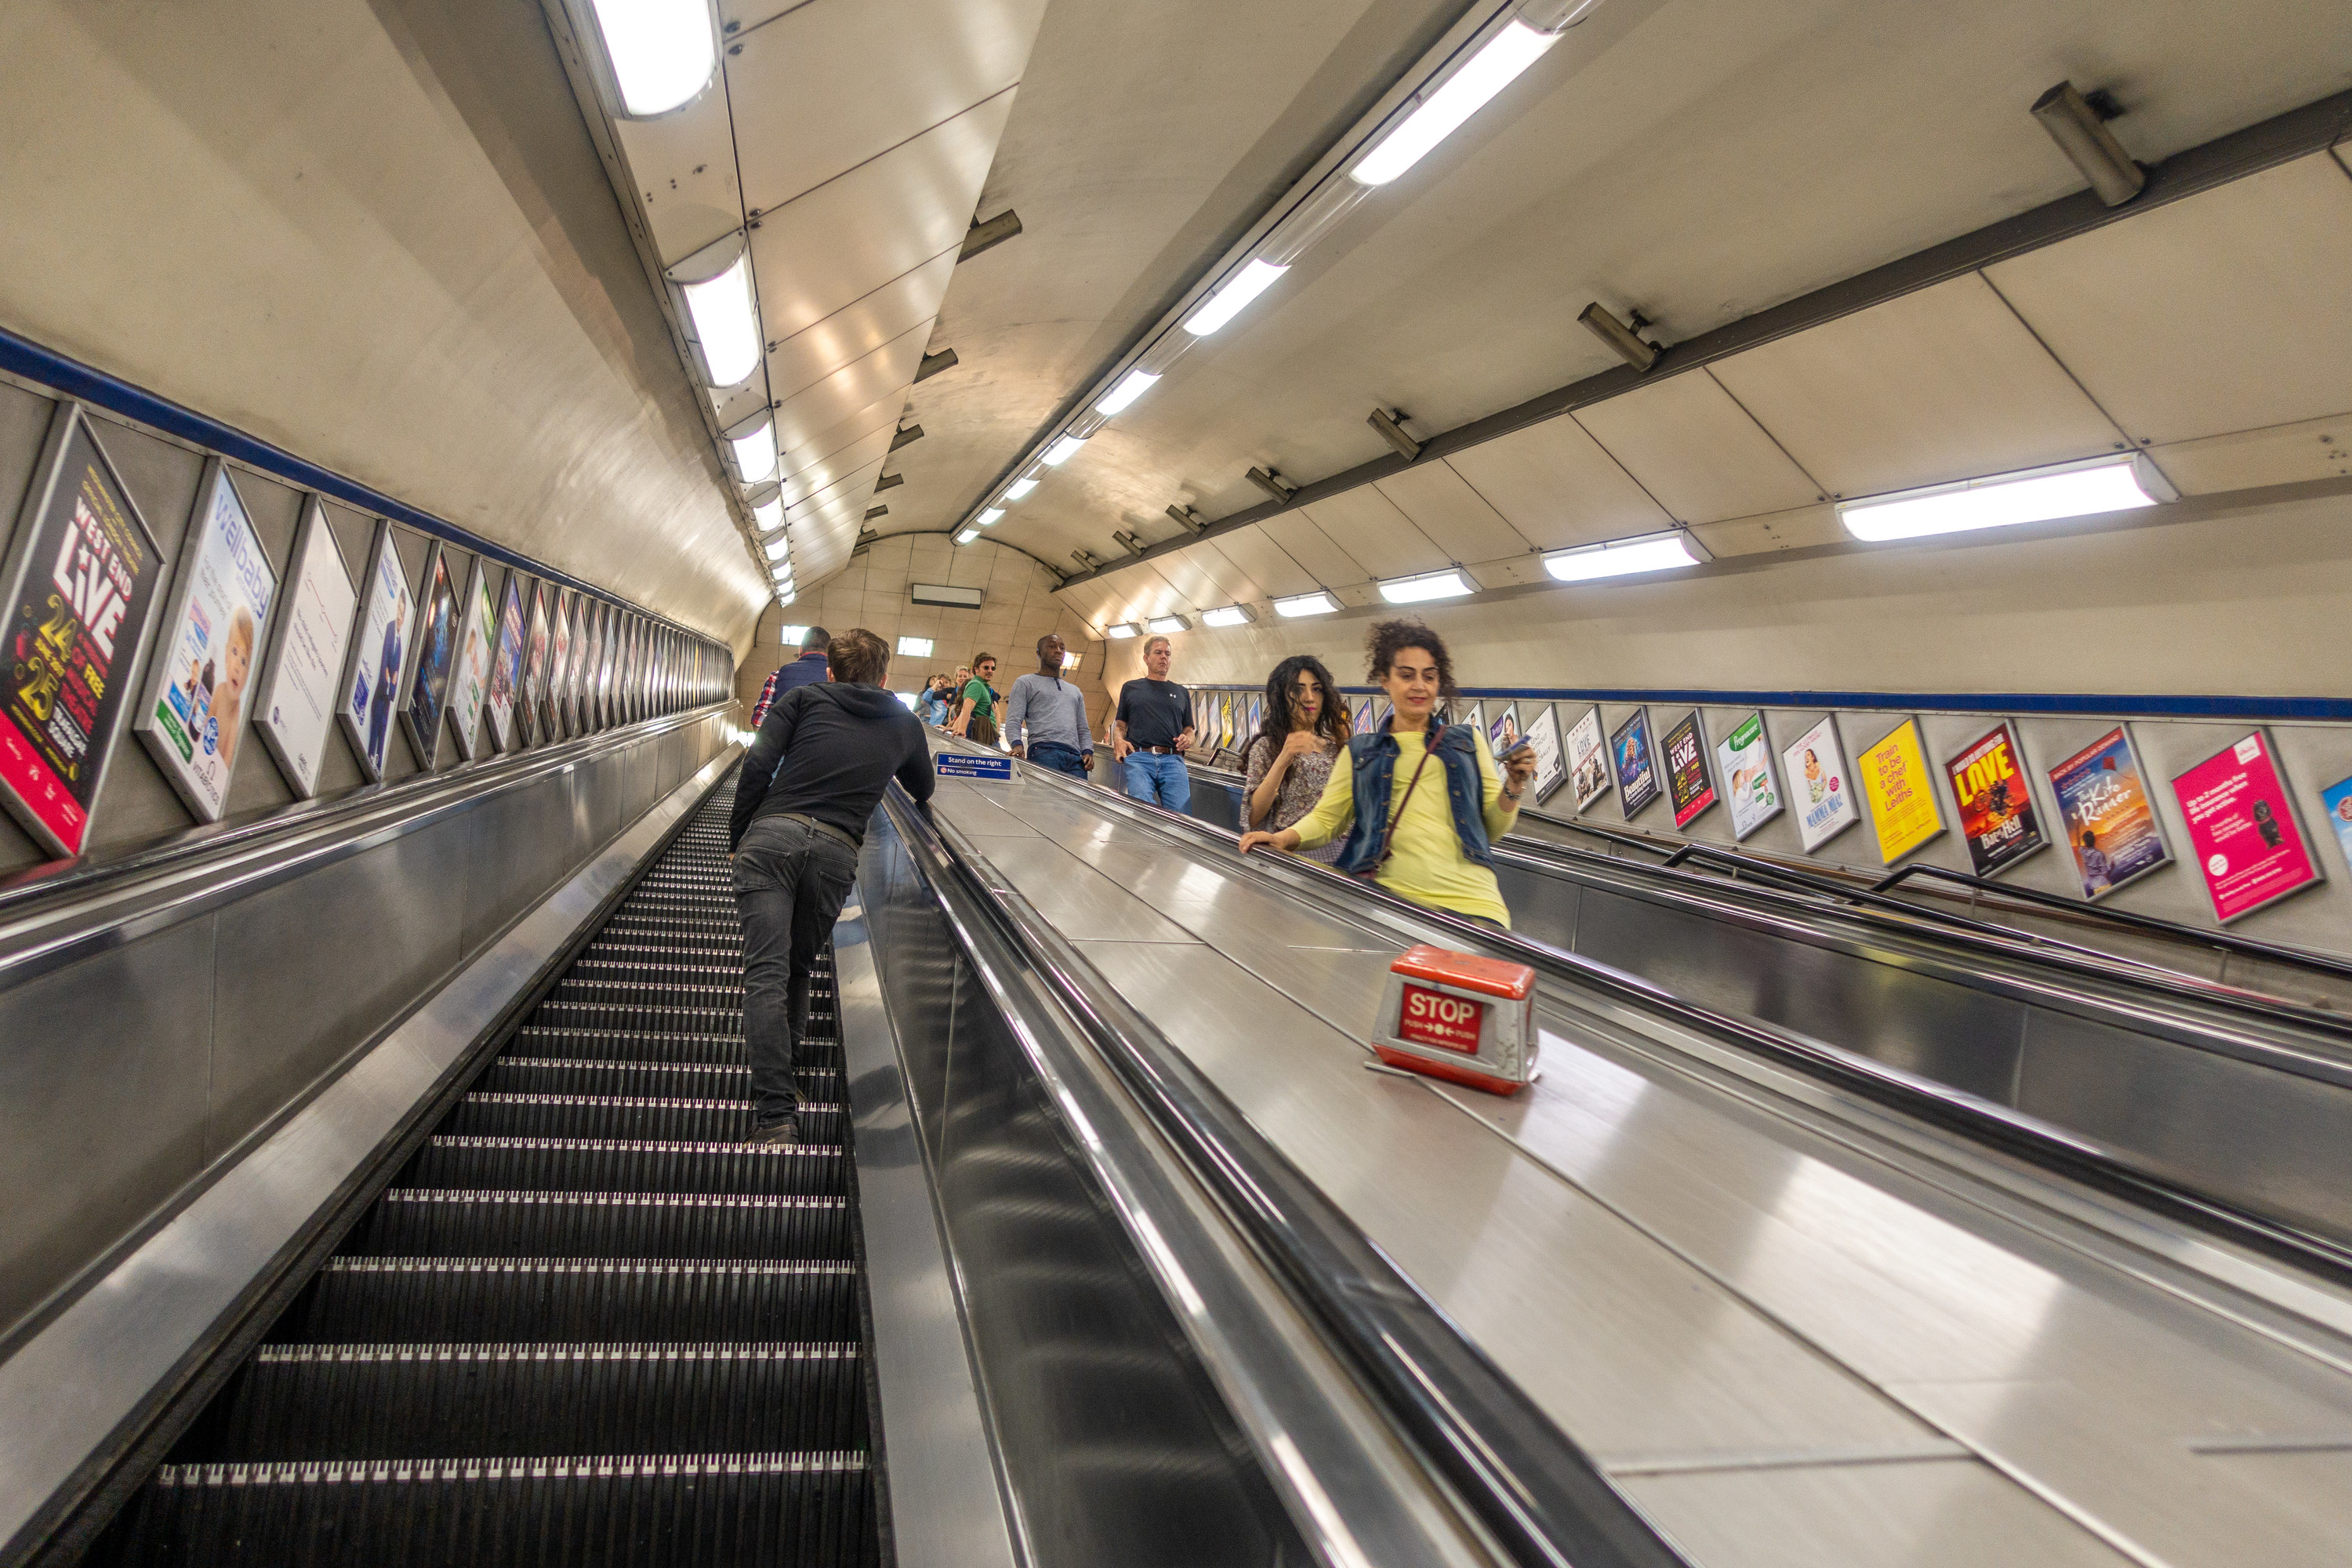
[[2097, 485], [1069, 660], [769, 515], [989, 515], [1316, 603], [1448, 585], [1231, 616], [1168, 624], [1488, 72], [779, 548], [967, 536], [755, 450], [1063, 450], [1619, 557], [915, 648], [784, 595], [1019, 489], [1227, 303], [1133, 386], [661, 52], [726, 323], [1122, 631], [790, 637]]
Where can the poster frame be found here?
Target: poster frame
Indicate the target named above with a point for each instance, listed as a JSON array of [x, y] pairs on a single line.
[[1600, 751], [1509, 717], [503, 735], [2006, 730], [70, 419], [1929, 772], [2121, 734], [1723, 765], [159, 676], [478, 584], [314, 531], [2335, 811], [533, 679], [1546, 785], [1842, 773], [1705, 796], [386, 544], [563, 652], [1638, 720], [427, 739], [2294, 824]]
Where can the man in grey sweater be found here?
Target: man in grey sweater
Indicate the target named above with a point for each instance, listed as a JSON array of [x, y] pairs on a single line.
[[1045, 718]]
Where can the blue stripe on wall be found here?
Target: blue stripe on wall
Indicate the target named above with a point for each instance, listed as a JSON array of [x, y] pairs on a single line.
[[2058, 704], [73, 379]]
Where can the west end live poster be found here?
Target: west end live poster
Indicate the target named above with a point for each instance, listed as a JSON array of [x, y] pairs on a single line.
[[506, 668], [1817, 777], [1687, 785], [1902, 795], [81, 580], [1637, 776], [1997, 814], [2242, 830], [2107, 815], [380, 653], [294, 705], [436, 649], [194, 717], [1744, 762], [469, 683], [1587, 759]]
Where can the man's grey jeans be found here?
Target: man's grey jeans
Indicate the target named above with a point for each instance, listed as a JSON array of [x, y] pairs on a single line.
[[790, 880]]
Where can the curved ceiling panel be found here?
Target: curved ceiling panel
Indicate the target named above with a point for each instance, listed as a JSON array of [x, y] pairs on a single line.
[[1698, 452]]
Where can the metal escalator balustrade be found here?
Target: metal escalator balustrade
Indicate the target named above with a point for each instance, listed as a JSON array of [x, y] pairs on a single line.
[[583, 1324]]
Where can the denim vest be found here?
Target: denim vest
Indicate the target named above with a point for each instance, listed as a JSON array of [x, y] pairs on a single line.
[[1373, 759]]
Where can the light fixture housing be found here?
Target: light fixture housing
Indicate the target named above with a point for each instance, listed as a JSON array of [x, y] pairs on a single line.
[[792, 636], [2088, 144], [1440, 113], [768, 515], [1168, 624], [784, 596], [1121, 631], [658, 56], [1132, 385], [1622, 557], [1069, 660], [1625, 338], [715, 284], [967, 536], [941, 596], [752, 444], [2122, 481], [779, 547], [988, 516], [1423, 586], [1063, 450], [915, 648], [1019, 489], [1255, 277], [1229, 616], [1317, 603]]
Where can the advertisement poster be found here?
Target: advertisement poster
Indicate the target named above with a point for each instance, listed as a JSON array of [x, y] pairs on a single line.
[[1587, 759], [379, 653], [1637, 774], [559, 666], [2336, 801], [607, 661], [81, 580], [2107, 815], [1997, 814], [1902, 793], [1817, 776], [1744, 762], [436, 653], [193, 722], [1364, 712], [587, 651], [1225, 721], [1256, 716], [1688, 786], [469, 684], [294, 701], [1551, 767], [2242, 830], [531, 697], [1477, 717], [1503, 729], [506, 667]]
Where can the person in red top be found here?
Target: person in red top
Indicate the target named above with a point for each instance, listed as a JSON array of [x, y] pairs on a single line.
[[805, 670]]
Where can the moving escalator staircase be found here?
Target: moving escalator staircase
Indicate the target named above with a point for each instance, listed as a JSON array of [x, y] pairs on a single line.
[[583, 1324]]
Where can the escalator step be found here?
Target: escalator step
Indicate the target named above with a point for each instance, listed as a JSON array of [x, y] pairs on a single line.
[[519, 1299], [651, 1017], [626, 1116], [585, 1075], [488, 1401], [623, 1166], [630, 1045], [412, 1222], [673, 970], [627, 948], [649, 989], [644, 1511]]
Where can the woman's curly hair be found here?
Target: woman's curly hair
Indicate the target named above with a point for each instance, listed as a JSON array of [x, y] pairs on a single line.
[[1390, 638]]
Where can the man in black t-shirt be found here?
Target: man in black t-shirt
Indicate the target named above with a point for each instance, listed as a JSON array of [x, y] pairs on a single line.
[[1151, 730]]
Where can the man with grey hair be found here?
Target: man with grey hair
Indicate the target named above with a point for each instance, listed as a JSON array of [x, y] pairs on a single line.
[[1045, 718], [1151, 730]]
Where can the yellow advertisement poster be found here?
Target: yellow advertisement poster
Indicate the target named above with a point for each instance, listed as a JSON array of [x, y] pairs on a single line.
[[1900, 787]]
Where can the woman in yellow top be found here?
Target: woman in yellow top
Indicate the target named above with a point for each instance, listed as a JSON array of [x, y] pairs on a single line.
[[1419, 801]]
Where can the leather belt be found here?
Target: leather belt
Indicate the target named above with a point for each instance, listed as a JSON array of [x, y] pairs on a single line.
[[827, 828], [1161, 751]]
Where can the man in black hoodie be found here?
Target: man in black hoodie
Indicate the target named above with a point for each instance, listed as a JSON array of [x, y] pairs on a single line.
[[823, 755]]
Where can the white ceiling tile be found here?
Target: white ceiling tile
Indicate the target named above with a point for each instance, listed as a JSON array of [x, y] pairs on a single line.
[[2228, 310], [1196, 587], [684, 166], [1375, 533], [1234, 585], [2282, 455], [876, 418], [1555, 485], [1455, 517], [1296, 533], [869, 450], [859, 328], [1697, 451], [1266, 561], [1945, 384], [878, 377], [885, 218]]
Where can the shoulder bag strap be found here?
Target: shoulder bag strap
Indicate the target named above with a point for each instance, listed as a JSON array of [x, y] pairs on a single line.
[[1388, 839]]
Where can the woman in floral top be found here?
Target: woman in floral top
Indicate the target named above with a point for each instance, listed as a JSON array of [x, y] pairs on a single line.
[[1289, 761]]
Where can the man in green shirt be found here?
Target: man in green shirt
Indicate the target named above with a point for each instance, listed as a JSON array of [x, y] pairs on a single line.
[[977, 721]]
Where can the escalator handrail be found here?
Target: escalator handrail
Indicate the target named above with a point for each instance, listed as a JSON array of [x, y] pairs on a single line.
[[1539, 1494], [2041, 1144], [48, 922]]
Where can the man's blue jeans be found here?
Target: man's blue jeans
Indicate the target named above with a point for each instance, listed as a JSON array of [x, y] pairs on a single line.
[[1158, 780], [1062, 758]]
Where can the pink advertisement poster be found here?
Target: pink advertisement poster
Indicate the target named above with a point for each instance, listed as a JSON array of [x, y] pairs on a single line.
[[2242, 831]]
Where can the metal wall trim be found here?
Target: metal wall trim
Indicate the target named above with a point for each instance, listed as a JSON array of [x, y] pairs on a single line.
[[102, 1367], [2059, 704]]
